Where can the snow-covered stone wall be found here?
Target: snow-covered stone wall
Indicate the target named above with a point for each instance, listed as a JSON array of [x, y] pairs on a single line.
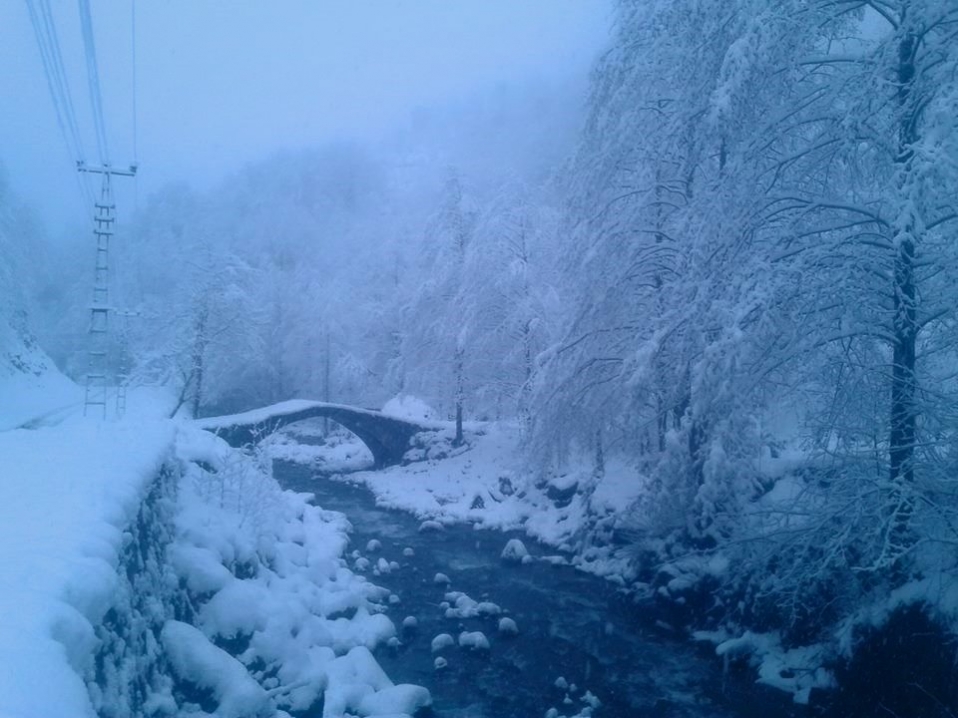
[[130, 671]]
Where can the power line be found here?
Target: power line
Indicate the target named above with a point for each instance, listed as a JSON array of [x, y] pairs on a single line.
[[93, 78], [133, 48], [51, 58]]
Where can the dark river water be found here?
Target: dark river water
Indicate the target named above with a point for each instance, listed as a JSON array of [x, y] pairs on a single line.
[[572, 626]]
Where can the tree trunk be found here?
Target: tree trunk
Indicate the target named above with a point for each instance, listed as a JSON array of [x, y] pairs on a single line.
[[903, 410], [197, 360], [459, 360]]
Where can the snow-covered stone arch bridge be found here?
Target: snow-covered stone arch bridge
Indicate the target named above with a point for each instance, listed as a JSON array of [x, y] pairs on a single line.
[[387, 437]]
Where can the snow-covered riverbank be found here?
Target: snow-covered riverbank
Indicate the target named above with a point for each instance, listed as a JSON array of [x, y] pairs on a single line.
[[481, 483]]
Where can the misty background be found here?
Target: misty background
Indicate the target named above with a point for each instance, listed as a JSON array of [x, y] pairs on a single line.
[[294, 162]]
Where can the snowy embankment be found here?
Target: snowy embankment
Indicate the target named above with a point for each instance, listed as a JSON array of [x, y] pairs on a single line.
[[148, 569]]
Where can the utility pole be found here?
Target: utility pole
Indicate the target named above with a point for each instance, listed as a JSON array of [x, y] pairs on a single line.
[[101, 373]]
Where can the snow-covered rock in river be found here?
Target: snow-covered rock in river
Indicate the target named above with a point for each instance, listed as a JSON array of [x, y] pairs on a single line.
[[442, 641], [475, 640], [488, 608], [508, 627], [515, 551]]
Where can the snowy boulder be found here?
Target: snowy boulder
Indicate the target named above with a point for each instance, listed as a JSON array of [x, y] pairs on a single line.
[[195, 660], [474, 640], [466, 607], [488, 608], [440, 663], [394, 599], [508, 627], [362, 564], [408, 552], [591, 700], [514, 552], [202, 567], [404, 699], [431, 526], [443, 640], [394, 566], [409, 623], [441, 578], [373, 545], [382, 565]]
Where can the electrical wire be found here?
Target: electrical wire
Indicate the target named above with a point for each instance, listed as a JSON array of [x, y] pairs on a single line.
[[48, 44], [93, 79]]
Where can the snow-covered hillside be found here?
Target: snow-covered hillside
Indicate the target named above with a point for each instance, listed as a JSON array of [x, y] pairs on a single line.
[[31, 387]]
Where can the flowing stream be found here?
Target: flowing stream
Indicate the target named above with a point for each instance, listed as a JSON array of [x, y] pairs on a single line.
[[572, 626]]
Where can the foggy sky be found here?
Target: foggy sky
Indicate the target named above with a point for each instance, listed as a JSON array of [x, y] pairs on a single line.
[[223, 83]]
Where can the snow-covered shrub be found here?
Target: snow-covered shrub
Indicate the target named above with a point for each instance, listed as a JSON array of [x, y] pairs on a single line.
[[273, 596]]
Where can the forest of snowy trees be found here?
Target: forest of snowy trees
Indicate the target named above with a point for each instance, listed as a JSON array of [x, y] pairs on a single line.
[[741, 277]]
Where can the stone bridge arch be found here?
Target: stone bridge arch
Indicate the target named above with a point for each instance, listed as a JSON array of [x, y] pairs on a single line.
[[387, 437]]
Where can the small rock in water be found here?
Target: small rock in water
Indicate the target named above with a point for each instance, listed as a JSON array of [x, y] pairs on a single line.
[[410, 623], [441, 578], [430, 526], [443, 640], [561, 683], [393, 642], [590, 698], [408, 552], [508, 627], [487, 608], [373, 545], [393, 599], [476, 640], [440, 663], [444, 606], [552, 713], [382, 565], [355, 554], [515, 551], [362, 564], [394, 566]]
